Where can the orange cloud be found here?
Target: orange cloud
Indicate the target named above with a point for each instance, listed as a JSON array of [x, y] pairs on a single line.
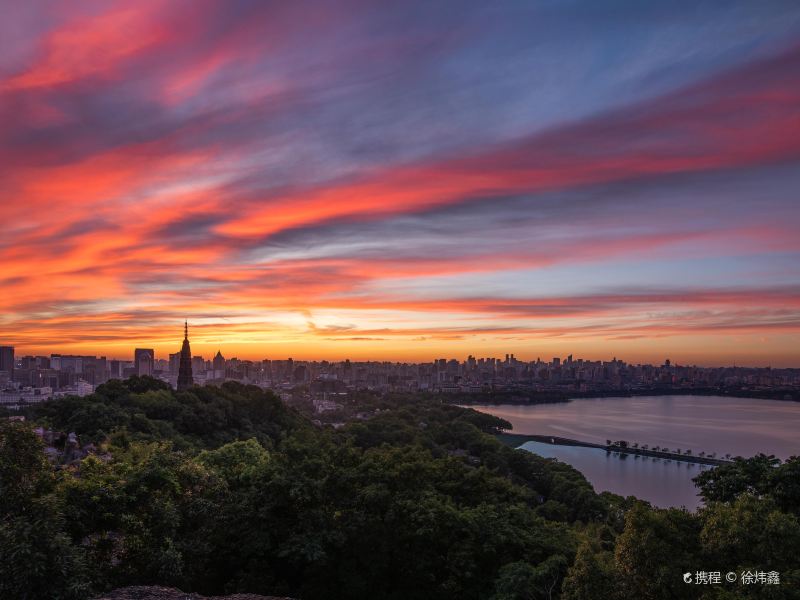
[[90, 47], [120, 216]]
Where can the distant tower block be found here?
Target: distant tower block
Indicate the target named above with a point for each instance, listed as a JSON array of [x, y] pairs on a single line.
[[185, 379]]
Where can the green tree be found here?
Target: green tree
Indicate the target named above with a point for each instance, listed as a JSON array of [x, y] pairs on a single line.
[[37, 557], [746, 475], [24, 470], [523, 581], [752, 534], [654, 550], [784, 485], [592, 576]]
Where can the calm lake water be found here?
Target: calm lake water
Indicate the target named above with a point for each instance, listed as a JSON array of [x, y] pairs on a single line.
[[739, 426]]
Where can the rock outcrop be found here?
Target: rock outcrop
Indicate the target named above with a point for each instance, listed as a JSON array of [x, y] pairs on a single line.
[[150, 592]]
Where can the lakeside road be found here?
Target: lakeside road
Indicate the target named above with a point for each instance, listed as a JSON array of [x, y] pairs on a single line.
[[516, 439]]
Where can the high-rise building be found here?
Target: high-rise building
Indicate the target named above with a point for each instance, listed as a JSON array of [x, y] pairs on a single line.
[[67, 363], [115, 369], [300, 374], [7, 360], [94, 370], [185, 379], [218, 366], [144, 361], [198, 365]]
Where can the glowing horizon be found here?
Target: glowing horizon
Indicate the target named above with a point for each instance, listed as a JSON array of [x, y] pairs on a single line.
[[402, 182]]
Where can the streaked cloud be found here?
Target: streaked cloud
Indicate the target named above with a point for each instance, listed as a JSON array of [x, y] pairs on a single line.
[[400, 180]]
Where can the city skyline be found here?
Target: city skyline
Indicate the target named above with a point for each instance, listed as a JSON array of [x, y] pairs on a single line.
[[402, 182], [133, 357]]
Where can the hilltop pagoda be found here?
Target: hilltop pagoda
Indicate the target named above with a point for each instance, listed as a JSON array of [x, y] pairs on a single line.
[[185, 379]]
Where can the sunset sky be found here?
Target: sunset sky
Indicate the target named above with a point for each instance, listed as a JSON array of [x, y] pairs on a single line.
[[402, 180]]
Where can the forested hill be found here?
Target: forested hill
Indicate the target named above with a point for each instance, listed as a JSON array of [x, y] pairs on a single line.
[[147, 409], [219, 490]]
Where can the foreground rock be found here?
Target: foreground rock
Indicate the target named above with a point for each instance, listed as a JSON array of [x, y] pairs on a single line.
[[150, 592]]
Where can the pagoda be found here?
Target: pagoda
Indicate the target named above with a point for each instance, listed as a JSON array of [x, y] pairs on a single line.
[[185, 379]]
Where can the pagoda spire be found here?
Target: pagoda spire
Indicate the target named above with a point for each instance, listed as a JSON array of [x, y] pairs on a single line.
[[185, 378]]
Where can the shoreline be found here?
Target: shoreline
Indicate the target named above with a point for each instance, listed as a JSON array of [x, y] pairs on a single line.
[[553, 397], [516, 440]]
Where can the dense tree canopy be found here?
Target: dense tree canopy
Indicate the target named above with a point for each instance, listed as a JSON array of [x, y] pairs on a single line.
[[226, 489]]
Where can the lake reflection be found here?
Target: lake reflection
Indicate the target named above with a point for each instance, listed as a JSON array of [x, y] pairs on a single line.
[[653, 479], [738, 426]]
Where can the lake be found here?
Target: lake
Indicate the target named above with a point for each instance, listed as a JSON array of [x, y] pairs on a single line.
[[736, 426]]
